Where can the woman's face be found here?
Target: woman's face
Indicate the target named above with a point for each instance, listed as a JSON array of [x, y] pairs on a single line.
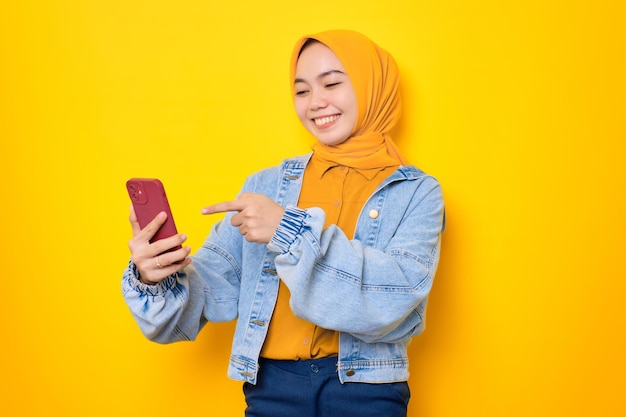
[[324, 97]]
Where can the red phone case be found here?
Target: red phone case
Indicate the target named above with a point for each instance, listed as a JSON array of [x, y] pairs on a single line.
[[149, 199]]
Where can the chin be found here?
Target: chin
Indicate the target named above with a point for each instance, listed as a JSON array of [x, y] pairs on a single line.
[[329, 140]]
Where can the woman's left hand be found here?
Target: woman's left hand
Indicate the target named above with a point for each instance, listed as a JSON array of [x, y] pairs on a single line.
[[257, 216]]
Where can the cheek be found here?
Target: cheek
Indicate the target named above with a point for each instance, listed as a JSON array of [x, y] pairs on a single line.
[[352, 119], [301, 110], [348, 103], [348, 108]]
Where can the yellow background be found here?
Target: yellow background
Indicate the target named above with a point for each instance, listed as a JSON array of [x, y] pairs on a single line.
[[517, 107]]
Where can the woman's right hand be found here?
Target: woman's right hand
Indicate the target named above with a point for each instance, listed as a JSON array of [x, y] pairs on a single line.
[[153, 261]]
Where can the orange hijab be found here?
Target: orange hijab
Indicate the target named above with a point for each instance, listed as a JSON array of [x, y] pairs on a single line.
[[374, 76]]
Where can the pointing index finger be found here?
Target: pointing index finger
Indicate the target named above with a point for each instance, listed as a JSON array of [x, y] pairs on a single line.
[[223, 207]]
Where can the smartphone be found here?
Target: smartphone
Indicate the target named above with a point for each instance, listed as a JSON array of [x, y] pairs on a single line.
[[149, 199]]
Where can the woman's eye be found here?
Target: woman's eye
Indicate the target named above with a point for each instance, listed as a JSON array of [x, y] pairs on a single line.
[[301, 92], [331, 85]]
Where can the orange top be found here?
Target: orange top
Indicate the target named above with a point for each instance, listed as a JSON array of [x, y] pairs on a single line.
[[341, 192]]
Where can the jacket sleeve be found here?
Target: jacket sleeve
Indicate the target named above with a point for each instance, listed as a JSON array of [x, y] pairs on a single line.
[[376, 293], [177, 308], [169, 311]]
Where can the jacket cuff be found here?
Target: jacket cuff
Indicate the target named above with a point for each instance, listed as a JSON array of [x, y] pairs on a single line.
[[288, 229], [132, 276]]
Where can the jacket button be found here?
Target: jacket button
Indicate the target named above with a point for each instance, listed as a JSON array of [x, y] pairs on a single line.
[[373, 214], [350, 372]]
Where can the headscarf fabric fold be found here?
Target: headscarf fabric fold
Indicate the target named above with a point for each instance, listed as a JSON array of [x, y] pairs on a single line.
[[374, 76]]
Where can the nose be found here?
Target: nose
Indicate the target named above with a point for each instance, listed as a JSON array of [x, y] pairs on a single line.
[[318, 99]]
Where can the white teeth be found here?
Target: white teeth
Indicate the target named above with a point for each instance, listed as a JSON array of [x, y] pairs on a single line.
[[325, 120]]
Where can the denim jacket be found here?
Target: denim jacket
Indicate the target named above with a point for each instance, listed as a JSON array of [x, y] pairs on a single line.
[[372, 289]]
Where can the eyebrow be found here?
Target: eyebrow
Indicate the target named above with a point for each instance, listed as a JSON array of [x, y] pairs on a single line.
[[320, 76]]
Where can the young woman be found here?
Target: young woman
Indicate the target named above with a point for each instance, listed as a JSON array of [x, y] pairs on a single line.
[[326, 261]]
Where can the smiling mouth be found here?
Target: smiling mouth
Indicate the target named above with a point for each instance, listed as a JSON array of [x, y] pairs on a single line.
[[322, 121]]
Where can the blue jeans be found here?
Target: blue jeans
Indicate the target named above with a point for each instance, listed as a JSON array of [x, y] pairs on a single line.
[[311, 388]]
